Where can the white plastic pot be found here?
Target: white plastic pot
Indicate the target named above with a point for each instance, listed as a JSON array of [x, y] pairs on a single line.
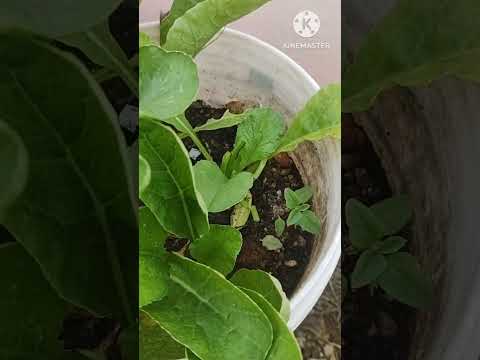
[[237, 66]]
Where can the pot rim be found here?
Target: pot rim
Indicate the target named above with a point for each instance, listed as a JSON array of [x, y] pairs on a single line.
[[314, 283]]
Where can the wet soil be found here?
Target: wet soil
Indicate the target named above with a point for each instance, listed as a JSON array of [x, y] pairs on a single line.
[[373, 326], [289, 263]]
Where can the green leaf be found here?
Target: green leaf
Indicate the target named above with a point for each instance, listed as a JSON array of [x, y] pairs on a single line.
[[320, 118], [210, 316], [258, 136], [279, 226], [144, 173], [79, 213], [219, 248], [155, 343], [391, 245], [304, 194], [55, 18], [364, 226], [145, 40], [168, 82], [271, 243], [226, 121], [241, 212], [13, 166], [285, 346], [101, 47], [406, 282], [291, 199], [219, 192], [153, 267], [416, 43], [296, 214], [368, 268], [192, 31], [310, 222], [178, 9], [32, 313], [394, 213], [267, 286], [172, 195]]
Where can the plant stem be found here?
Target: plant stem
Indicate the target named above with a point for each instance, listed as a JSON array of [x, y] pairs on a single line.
[[201, 147]]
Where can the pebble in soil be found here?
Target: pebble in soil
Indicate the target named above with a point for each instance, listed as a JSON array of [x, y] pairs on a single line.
[[373, 326], [289, 263]]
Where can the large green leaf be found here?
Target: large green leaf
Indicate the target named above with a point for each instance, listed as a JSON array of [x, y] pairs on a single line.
[[219, 192], [71, 210], [219, 248], [153, 273], [192, 31], [266, 285], [13, 166], [285, 346], [320, 118], [56, 17], [405, 281], [172, 194], [30, 311], [364, 227], [101, 47], [168, 82], [155, 343], [210, 316], [178, 9], [258, 138], [417, 42]]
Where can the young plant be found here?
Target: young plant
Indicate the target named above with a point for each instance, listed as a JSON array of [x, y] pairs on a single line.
[[382, 262], [299, 210]]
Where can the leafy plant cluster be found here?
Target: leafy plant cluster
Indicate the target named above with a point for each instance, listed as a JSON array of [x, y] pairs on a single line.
[[191, 305], [60, 148], [382, 261], [299, 215]]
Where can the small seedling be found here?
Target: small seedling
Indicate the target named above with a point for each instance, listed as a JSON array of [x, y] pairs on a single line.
[[272, 243], [382, 263], [300, 213], [279, 227]]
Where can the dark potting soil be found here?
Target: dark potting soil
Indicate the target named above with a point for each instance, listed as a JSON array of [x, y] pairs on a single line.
[[373, 326], [288, 264]]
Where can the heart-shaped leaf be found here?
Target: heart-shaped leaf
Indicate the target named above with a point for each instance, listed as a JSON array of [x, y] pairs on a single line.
[[219, 192], [219, 248], [309, 222], [168, 82]]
